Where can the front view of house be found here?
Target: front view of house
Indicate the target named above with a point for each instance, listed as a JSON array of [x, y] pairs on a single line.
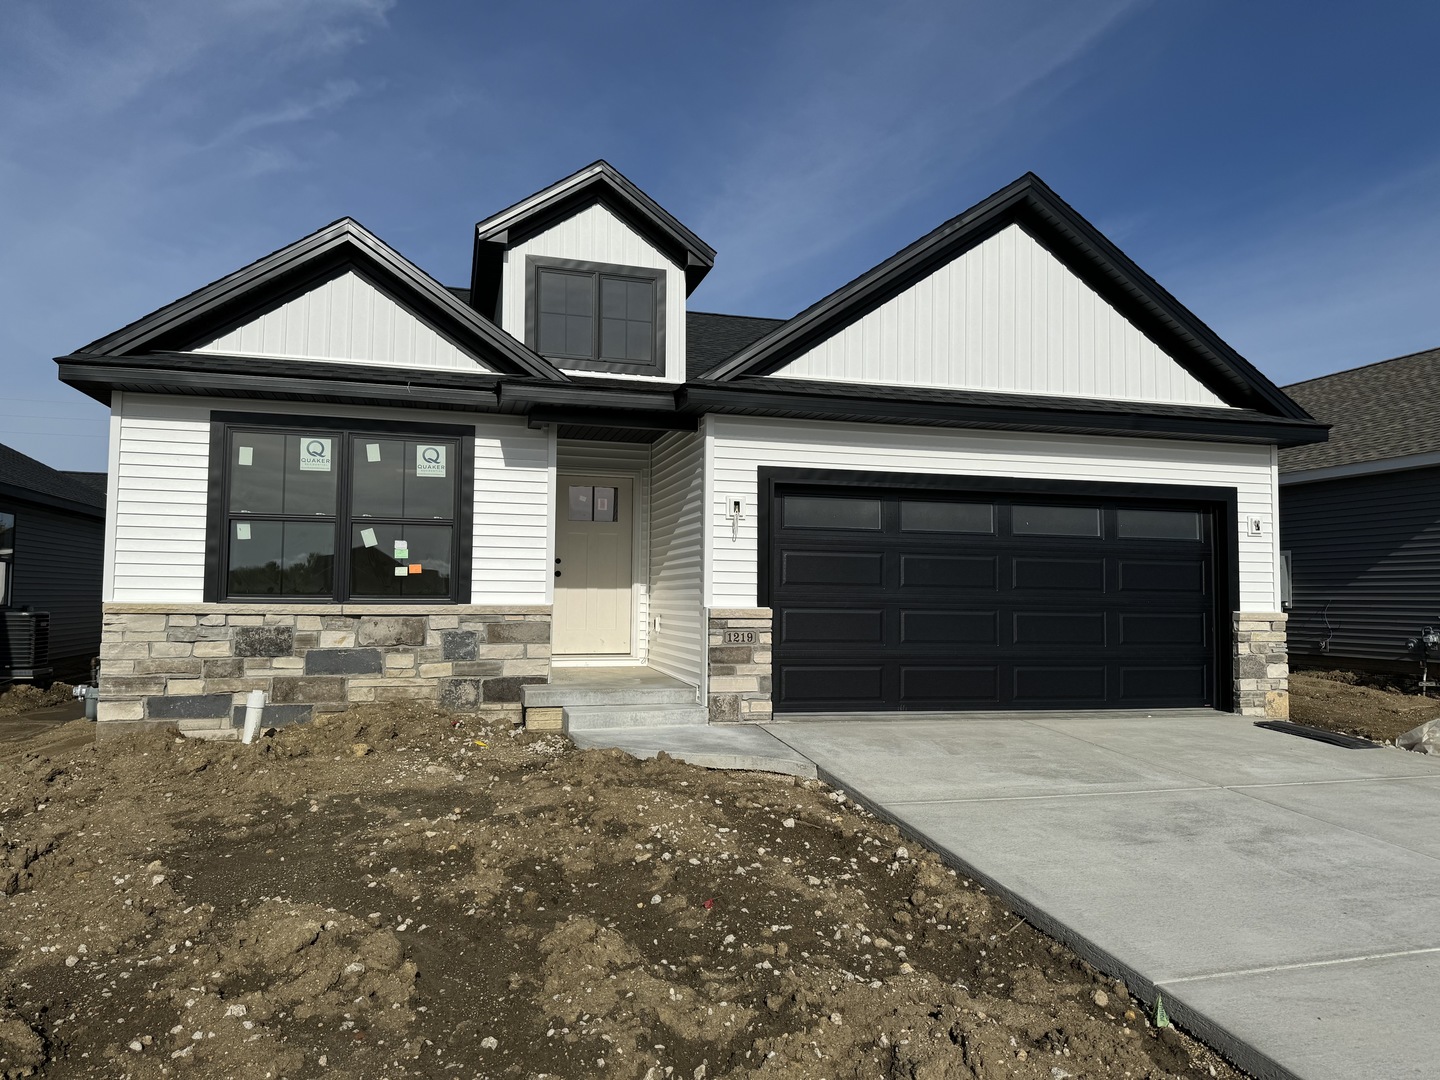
[[1003, 470]]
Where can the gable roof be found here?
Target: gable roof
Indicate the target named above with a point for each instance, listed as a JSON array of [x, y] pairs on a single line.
[[1389, 409], [342, 245], [711, 338], [22, 477], [599, 182], [1030, 204]]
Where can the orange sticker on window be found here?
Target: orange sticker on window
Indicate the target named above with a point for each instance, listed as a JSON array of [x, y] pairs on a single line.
[[415, 568]]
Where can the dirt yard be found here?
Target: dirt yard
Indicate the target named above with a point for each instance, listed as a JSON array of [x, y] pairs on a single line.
[[1372, 706], [22, 697], [384, 895]]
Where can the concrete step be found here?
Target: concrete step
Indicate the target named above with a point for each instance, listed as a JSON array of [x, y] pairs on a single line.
[[545, 695], [209, 723], [711, 746], [607, 717], [227, 734]]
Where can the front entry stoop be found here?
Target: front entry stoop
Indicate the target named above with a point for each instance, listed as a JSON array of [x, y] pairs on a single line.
[[610, 697], [606, 717]]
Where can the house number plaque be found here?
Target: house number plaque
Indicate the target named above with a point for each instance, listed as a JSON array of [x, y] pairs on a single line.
[[739, 637]]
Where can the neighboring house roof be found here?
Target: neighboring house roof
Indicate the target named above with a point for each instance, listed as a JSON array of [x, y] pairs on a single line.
[[22, 477], [1379, 412], [1030, 204], [711, 338], [342, 245], [96, 480]]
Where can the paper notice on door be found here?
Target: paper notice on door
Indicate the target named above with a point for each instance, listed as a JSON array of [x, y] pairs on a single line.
[[415, 568], [367, 536], [242, 530], [246, 455], [401, 571], [372, 451]]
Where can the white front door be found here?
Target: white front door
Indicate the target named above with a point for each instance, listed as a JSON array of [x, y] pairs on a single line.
[[594, 565]]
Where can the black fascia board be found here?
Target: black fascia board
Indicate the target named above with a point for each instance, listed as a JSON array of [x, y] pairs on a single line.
[[518, 396], [1030, 203], [99, 379], [622, 419], [14, 493], [1205, 424], [341, 245]]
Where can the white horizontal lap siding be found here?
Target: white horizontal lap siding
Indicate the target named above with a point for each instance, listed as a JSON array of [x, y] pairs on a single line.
[[679, 647], [347, 320], [597, 235], [623, 459], [161, 490], [1005, 316], [743, 446]]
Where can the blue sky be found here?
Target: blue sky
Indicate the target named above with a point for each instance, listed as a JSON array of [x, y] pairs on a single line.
[[1275, 165]]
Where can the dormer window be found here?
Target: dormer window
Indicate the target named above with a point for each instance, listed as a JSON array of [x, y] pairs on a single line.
[[595, 316]]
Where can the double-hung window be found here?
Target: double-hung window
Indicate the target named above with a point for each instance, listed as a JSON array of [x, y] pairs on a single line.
[[7, 557], [333, 511], [595, 316]]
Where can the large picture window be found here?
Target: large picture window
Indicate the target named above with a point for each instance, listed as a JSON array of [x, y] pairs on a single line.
[[324, 510], [596, 316]]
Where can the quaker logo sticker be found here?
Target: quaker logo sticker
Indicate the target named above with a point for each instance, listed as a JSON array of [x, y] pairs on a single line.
[[429, 460], [315, 453]]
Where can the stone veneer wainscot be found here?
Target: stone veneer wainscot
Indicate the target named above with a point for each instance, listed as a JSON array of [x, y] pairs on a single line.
[[739, 683], [1262, 665], [192, 665]]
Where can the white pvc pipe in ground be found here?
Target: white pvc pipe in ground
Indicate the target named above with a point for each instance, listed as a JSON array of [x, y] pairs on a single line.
[[254, 711]]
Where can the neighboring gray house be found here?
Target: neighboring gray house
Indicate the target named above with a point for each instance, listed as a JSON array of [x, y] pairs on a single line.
[[1003, 469], [52, 548], [1360, 516]]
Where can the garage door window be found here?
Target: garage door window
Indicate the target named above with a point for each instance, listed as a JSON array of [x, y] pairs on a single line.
[[813, 512], [947, 517], [1157, 524], [1056, 521]]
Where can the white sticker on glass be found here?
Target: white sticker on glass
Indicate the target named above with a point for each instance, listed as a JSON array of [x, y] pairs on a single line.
[[402, 571], [247, 455], [368, 537], [315, 453], [242, 530], [372, 451], [429, 460]]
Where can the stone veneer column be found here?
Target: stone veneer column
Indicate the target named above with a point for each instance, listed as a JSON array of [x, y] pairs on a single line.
[[191, 665], [739, 660], [1262, 666]]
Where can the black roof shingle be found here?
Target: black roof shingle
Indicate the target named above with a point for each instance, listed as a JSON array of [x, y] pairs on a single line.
[[21, 473], [711, 338]]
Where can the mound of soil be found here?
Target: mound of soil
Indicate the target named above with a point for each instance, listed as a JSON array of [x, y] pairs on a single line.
[[23, 697], [1372, 706], [385, 894]]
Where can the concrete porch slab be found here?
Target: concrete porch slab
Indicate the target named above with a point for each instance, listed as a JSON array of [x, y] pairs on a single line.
[[714, 746]]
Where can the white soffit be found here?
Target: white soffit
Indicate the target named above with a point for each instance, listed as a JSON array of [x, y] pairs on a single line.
[[1005, 316], [345, 319]]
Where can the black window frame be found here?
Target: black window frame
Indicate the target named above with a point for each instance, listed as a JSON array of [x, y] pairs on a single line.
[[7, 561], [534, 264], [348, 432]]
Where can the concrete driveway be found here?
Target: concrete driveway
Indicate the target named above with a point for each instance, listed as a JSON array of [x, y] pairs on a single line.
[[1283, 895]]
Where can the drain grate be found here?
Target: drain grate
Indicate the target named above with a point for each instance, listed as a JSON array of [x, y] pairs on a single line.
[[1350, 742]]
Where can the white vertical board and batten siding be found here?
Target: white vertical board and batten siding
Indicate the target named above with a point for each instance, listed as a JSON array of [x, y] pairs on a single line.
[[1005, 316], [344, 320], [596, 235], [626, 459], [161, 477], [743, 446], [677, 580]]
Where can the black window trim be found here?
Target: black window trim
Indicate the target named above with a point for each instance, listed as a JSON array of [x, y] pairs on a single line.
[[535, 263], [217, 533], [7, 580]]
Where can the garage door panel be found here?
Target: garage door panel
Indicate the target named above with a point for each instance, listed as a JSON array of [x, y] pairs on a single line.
[[1162, 575], [1164, 684], [807, 626], [950, 572], [929, 684], [1060, 629], [833, 568], [950, 627], [1071, 683], [1180, 628], [1051, 574], [819, 684]]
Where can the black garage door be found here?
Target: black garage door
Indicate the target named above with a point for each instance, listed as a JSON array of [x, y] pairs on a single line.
[[925, 601]]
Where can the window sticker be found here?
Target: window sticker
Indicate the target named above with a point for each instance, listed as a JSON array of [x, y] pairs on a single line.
[[246, 455], [581, 504], [315, 453], [415, 568], [242, 530], [429, 460], [372, 451], [604, 504], [402, 551], [367, 536], [402, 571]]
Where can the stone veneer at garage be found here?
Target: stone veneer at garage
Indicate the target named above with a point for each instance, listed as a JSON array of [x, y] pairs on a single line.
[[1262, 665], [191, 665], [739, 684]]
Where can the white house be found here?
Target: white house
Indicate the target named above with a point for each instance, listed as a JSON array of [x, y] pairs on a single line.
[[1004, 469]]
